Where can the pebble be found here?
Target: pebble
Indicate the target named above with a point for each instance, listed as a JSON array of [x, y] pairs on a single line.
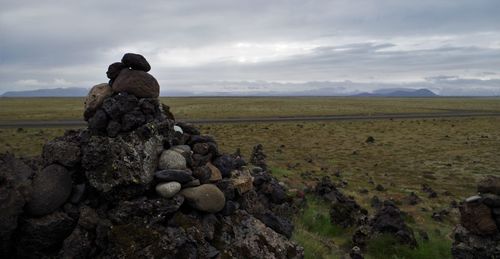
[[168, 190]]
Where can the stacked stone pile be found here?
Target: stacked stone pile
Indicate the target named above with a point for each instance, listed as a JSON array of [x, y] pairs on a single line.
[[345, 212], [138, 184], [478, 235]]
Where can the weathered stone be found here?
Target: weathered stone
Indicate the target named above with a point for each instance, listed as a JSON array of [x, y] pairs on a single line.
[[477, 218], [171, 160], [389, 219], [77, 193], [63, 152], [169, 175], [206, 197], [225, 164], [114, 70], [15, 189], [202, 173], [113, 128], [250, 238], [136, 61], [492, 200], [51, 188], [124, 160], [120, 104], [168, 190], [215, 174], [138, 83], [278, 224], [490, 184], [145, 211], [192, 183], [242, 180], [132, 120], [181, 149], [38, 234], [95, 98], [77, 245], [98, 122]]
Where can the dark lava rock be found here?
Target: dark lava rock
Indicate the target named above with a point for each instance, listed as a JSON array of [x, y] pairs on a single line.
[[370, 139], [380, 188], [136, 61], [225, 165], [250, 238], [37, 235], [490, 184], [132, 120], [278, 224], [98, 122], [346, 213], [188, 128], [477, 218], [258, 157], [172, 175], [61, 151], [138, 83], [78, 245], [126, 159], [413, 199], [145, 210], [389, 219], [51, 188], [113, 128], [202, 173], [15, 189], [468, 245], [491, 200], [114, 69], [120, 104]]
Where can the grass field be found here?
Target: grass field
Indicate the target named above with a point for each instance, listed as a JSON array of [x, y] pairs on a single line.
[[450, 155], [216, 108]]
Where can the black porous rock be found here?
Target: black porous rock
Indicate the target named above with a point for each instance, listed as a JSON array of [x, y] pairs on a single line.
[[138, 83], [124, 160], [98, 122], [389, 219], [173, 175], [63, 150], [114, 69], [15, 190], [135, 61], [38, 235], [51, 188]]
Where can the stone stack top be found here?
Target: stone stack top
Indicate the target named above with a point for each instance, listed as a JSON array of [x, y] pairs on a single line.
[[478, 234]]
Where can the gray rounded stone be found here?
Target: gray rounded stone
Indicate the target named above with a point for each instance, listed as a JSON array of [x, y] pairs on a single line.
[[206, 197], [51, 189], [168, 190], [170, 159], [183, 149]]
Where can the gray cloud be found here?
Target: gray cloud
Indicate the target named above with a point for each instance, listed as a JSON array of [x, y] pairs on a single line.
[[54, 43]]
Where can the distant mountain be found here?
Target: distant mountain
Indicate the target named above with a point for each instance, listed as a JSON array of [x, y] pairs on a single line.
[[56, 92], [399, 92]]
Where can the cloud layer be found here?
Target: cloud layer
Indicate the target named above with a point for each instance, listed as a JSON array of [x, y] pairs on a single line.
[[452, 46]]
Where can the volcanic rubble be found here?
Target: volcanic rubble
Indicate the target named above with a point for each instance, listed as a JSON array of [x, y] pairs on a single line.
[[478, 234], [138, 184]]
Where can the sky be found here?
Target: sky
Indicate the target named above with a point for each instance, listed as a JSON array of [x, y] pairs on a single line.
[[451, 47]]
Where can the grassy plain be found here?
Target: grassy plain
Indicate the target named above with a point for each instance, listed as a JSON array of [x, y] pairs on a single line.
[[449, 154], [12, 109]]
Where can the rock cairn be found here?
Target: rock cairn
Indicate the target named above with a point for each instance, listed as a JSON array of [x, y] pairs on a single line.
[[345, 212], [478, 234], [138, 184]]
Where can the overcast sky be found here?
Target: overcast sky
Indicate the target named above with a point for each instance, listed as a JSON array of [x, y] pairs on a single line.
[[449, 46]]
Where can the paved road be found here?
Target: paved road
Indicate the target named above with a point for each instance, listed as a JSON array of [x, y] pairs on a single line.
[[77, 123]]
